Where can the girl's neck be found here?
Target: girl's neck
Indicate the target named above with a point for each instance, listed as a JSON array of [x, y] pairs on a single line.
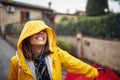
[[37, 50]]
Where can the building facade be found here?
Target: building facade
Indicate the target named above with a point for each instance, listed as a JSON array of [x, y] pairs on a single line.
[[17, 12]]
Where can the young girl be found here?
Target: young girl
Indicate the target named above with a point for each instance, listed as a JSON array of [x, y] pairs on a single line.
[[39, 58]]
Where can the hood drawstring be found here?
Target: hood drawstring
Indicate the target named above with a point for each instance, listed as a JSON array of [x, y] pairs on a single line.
[[41, 67]]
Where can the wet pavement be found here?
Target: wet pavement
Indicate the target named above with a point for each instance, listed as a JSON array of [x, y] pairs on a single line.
[[6, 52]]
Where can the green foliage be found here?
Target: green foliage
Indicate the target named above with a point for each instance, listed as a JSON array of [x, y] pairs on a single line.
[[97, 7], [11, 29], [101, 26], [64, 45], [64, 19], [8, 28], [65, 27]]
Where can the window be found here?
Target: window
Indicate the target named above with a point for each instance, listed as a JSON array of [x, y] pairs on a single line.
[[25, 16]]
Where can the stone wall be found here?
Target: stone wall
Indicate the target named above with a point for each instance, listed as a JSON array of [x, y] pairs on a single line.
[[103, 52]]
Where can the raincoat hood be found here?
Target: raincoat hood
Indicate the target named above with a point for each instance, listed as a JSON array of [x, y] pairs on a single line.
[[33, 27]]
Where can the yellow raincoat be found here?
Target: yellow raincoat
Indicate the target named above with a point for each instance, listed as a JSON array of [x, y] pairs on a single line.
[[19, 69]]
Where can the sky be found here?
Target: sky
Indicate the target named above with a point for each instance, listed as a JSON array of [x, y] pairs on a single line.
[[73, 5]]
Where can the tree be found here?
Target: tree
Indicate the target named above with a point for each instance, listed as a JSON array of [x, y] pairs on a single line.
[[97, 7]]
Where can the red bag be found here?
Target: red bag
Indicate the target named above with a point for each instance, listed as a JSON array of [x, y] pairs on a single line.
[[104, 74]]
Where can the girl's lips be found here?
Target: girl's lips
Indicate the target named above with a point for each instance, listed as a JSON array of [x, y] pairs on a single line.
[[40, 38]]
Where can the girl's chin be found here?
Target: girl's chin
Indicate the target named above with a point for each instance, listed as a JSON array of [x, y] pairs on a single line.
[[41, 43]]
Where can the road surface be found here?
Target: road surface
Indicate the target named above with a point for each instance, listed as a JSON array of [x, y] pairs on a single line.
[[6, 52]]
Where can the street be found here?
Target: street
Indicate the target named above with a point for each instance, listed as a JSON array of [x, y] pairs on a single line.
[[6, 52]]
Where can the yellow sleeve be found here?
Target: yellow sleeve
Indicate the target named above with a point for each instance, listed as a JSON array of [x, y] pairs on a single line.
[[74, 65], [13, 70]]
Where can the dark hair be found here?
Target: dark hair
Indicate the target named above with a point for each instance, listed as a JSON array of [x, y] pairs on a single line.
[[27, 52]]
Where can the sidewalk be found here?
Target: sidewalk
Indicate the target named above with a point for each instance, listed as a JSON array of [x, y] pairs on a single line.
[[6, 52]]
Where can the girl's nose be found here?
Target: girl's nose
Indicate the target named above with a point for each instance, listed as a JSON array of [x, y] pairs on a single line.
[[42, 32]]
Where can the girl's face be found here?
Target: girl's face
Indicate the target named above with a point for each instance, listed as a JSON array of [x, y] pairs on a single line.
[[39, 39]]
